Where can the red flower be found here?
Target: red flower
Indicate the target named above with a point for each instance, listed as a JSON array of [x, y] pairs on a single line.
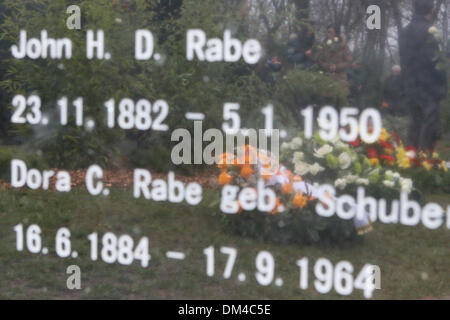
[[412, 155], [411, 150], [386, 145], [388, 159], [355, 143]]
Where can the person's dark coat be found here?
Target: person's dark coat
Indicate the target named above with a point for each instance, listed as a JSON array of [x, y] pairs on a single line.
[[420, 56], [298, 46], [393, 94]]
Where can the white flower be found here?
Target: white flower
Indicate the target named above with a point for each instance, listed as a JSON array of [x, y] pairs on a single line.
[[388, 183], [433, 30], [344, 160], [301, 168], [411, 154], [362, 181], [118, 20], [389, 173], [340, 183], [340, 145], [316, 168], [323, 151], [329, 42], [334, 140], [396, 175], [435, 33], [406, 185], [351, 178], [284, 146], [336, 39], [296, 143], [298, 156]]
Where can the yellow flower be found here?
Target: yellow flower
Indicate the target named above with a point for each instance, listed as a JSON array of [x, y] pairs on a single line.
[[444, 166], [435, 155], [404, 163], [427, 165], [374, 162], [384, 135], [402, 159], [423, 155]]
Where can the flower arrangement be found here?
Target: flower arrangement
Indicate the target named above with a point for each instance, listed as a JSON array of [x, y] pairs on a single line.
[[338, 163], [427, 169], [390, 151], [251, 165], [293, 219]]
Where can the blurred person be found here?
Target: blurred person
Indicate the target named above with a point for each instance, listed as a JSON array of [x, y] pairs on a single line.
[[299, 48], [335, 57], [393, 93], [425, 84], [357, 79], [267, 68]]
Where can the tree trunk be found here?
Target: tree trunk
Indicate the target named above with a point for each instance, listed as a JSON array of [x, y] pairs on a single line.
[[445, 26]]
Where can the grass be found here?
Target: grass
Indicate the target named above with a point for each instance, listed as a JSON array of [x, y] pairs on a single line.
[[414, 262]]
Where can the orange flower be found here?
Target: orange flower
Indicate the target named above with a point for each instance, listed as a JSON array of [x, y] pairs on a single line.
[[300, 201], [287, 188], [226, 159], [277, 205], [266, 175], [249, 148], [247, 156], [264, 159], [247, 171], [245, 161], [240, 207], [225, 178]]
